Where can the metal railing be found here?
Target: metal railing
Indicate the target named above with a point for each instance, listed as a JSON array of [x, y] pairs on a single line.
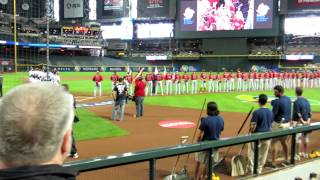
[[154, 154]]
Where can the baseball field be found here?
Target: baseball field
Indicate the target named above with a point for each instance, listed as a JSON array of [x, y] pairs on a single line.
[[98, 136]]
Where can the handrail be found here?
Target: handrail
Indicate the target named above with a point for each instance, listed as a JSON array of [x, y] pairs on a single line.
[[159, 153]]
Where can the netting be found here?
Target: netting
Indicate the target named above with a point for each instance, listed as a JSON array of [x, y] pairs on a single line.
[[22, 31]]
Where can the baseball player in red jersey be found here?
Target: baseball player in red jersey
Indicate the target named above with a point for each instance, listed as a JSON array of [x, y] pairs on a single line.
[[299, 79], [185, 85], [114, 79], [318, 78], [177, 83], [286, 79], [168, 77], [97, 79], [219, 82], [232, 77], [292, 79], [270, 85], [149, 80], [159, 78], [281, 79], [311, 79], [256, 81], [212, 79], [251, 81], [194, 82], [261, 81], [275, 78], [239, 80], [128, 80], [267, 82], [305, 79], [245, 81], [203, 77], [226, 81]]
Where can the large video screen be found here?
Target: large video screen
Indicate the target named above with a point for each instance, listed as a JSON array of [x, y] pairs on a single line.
[[109, 9], [153, 8], [222, 15], [306, 26], [122, 31], [160, 30]]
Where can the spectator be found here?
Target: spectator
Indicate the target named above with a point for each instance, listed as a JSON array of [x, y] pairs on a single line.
[[261, 121], [74, 150], [281, 109], [119, 95], [139, 93], [36, 132], [210, 129], [301, 116], [1, 81]]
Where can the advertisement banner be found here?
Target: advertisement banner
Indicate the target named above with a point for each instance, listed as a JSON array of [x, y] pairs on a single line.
[[89, 69], [115, 69], [73, 9], [303, 4], [110, 9], [263, 14], [64, 69], [153, 8]]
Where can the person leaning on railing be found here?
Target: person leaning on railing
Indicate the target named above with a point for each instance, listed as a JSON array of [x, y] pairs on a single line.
[[261, 121], [210, 129], [281, 109], [301, 116], [35, 132]]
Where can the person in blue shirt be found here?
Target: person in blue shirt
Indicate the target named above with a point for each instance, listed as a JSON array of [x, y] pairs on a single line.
[[301, 116], [209, 129], [281, 109], [261, 121]]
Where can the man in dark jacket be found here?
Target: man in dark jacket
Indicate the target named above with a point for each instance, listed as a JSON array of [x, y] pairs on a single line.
[[36, 132]]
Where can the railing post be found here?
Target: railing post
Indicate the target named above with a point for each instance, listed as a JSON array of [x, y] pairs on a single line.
[[293, 148], [152, 169], [209, 175], [256, 157]]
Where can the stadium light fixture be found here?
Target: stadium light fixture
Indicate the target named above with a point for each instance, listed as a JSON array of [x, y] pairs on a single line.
[[90, 47]]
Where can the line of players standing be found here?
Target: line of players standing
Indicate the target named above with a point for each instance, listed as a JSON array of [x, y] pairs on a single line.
[[37, 75], [221, 82]]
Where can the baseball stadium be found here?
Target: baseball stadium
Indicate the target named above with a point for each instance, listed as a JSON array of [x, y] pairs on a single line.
[[145, 76]]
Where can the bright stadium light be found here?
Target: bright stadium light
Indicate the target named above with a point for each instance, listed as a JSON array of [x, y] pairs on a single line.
[[93, 10], [307, 25], [56, 10]]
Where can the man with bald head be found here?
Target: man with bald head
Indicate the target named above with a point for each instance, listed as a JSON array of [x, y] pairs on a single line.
[[35, 132]]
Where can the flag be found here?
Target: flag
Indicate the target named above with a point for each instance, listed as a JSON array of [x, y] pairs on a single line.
[[129, 71], [156, 70], [164, 70]]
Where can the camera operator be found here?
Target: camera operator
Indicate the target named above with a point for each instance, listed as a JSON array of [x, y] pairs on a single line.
[[119, 94]]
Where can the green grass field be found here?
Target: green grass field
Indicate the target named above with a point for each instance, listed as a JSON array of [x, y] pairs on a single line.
[[92, 126]]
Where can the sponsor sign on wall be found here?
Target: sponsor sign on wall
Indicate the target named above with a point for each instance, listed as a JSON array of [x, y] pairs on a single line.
[[153, 8], [73, 8]]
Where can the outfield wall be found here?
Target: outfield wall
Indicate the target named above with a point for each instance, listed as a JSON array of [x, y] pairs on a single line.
[[215, 64]]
